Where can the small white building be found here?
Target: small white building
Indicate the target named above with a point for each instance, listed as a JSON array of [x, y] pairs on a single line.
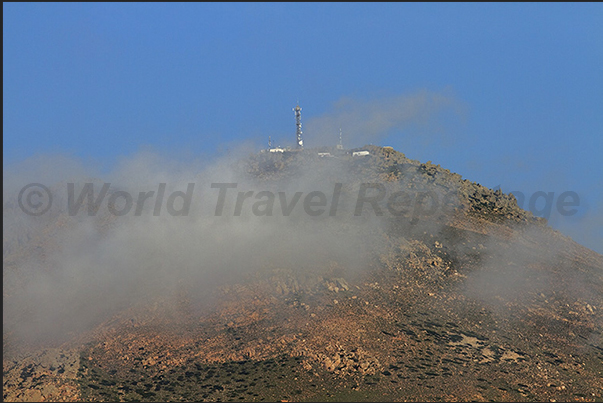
[[360, 153], [324, 155], [277, 150]]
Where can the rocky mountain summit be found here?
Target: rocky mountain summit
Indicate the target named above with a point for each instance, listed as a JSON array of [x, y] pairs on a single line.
[[452, 293]]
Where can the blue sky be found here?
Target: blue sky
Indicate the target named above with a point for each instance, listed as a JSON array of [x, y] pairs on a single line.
[[523, 84]]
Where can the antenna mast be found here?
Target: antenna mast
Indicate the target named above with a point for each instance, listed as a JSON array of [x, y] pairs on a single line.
[[298, 132]]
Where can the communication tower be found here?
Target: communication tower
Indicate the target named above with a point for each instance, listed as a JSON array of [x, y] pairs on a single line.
[[300, 142], [340, 145]]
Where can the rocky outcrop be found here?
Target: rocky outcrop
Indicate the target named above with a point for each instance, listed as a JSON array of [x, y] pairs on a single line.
[[350, 361]]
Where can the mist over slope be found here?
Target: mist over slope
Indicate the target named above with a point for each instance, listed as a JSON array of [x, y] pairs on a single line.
[[325, 254]]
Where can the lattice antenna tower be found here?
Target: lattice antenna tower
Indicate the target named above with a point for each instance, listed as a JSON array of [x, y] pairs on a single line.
[[298, 132]]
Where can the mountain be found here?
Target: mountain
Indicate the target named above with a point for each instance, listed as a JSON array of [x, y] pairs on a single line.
[[404, 282]]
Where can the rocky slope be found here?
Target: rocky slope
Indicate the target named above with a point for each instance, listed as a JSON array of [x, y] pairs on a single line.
[[476, 301]]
